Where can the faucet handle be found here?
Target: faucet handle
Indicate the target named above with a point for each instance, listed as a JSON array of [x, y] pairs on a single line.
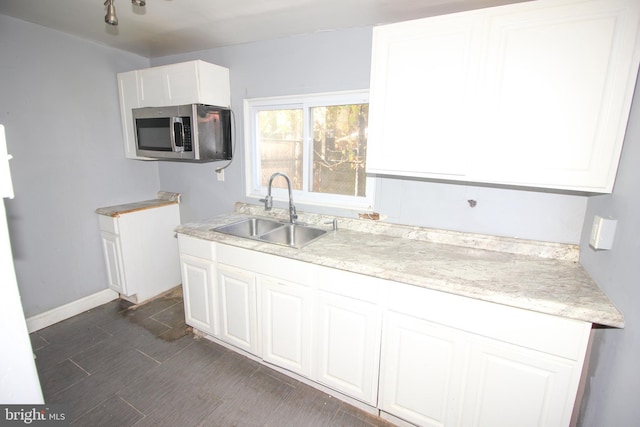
[[268, 203], [334, 222]]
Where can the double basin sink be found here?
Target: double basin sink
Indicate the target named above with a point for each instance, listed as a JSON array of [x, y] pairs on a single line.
[[271, 231]]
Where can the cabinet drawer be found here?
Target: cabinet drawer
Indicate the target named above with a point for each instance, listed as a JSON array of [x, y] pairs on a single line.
[[265, 264], [353, 285], [200, 248], [520, 327], [108, 224]]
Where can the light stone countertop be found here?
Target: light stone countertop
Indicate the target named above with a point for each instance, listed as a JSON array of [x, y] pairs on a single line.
[[164, 198], [537, 276]]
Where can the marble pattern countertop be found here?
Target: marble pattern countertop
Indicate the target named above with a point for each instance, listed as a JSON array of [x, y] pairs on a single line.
[[164, 198], [537, 276]]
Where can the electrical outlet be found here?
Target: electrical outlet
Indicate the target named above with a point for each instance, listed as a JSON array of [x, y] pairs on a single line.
[[220, 174], [602, 233]]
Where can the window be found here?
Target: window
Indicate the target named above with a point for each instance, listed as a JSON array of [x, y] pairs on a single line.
[[319, 141]]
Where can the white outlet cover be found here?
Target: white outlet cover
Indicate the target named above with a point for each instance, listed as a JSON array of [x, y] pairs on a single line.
[[602, 233]]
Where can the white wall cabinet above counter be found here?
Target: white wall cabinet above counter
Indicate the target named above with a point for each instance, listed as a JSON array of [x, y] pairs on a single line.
[[535, 94], [193, 82]]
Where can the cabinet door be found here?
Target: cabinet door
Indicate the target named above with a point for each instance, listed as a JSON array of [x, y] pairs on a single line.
[[128, 93], [182, 83], [422, 93], [174, 84], [286, 326], [510, 386], [559, 78], [153, 89], [113, 261], [199, 289], [237, 307], [348, 346], [421, 370], [533, 94]]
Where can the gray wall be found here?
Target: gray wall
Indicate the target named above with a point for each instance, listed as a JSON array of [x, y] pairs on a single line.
[[59, 104], [614, 376], [334, 61]]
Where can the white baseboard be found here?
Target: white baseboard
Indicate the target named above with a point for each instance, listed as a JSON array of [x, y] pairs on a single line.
[[58, 314]]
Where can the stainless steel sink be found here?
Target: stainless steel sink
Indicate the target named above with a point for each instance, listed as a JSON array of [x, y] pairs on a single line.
[[267, 230], [250, 227], [293, 235]]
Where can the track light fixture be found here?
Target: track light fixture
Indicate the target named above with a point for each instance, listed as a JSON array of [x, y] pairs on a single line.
[[110, 18]]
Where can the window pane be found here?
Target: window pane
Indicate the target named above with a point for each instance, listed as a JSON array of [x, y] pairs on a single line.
[[280, 146], [339, 149]]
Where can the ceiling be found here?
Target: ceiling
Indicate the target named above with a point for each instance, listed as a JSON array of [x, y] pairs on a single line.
[[167, 27]]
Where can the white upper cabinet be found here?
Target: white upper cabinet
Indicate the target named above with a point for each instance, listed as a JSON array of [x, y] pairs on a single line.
[[422, 84], [193, 82], [535, 94], [128, 93]]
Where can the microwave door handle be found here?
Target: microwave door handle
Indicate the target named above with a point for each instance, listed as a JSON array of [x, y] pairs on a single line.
[[177, 135]]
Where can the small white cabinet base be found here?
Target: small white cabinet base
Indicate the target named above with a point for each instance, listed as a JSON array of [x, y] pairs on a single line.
[[141, 251]]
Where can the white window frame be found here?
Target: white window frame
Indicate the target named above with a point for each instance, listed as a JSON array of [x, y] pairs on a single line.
[[255, 190]]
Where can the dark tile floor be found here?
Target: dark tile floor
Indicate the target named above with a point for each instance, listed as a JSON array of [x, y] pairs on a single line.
[[122, 365]]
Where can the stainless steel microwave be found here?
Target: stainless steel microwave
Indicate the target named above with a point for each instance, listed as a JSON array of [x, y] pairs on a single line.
[[192, 132]]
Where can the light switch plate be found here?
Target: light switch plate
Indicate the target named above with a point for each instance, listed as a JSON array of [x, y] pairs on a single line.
[[602, 233]]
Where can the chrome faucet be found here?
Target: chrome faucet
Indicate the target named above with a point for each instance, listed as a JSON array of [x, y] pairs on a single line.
[[268, 201]]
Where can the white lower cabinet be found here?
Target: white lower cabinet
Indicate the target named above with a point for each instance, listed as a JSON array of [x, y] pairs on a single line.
[[421, 370], [429, 358], [140, 251], [237, 309], [198, 269], [455, 361], [198, 288], [508, 385], [348, 345], [113, 261], [286, 324]]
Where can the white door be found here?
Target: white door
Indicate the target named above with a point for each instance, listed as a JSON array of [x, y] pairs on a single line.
[[237, 308], [198, 287], [508, 386], [113, 260], [348, 346], [286, 325], [20, 383], [421, 370]]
